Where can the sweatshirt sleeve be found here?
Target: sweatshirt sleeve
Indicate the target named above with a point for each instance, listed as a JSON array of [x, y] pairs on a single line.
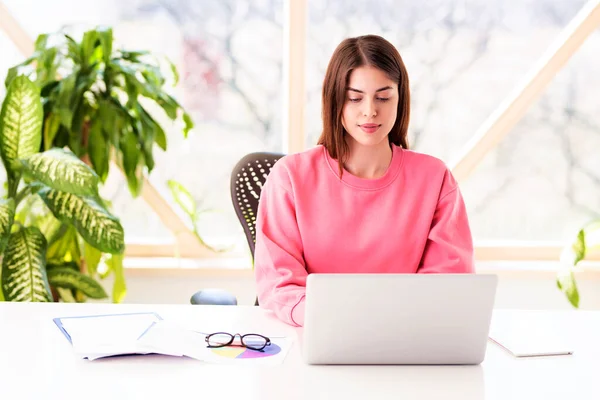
[[278, 255], [449, 246]]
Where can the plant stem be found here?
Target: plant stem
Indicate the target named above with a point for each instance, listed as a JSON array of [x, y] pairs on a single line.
[[26, 191], [47, 144], [13, 185]]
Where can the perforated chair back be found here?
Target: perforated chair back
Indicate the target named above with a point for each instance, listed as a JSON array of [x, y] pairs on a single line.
[[247, 180]]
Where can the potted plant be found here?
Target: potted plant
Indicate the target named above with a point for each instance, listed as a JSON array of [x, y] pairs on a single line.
[[51, 195], [586, 240], [98, 103]]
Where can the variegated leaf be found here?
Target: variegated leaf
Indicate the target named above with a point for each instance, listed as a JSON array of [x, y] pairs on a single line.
[[96, 225], [7, 217], [24, 267], [61, 170], [66, 277], [20, 123]]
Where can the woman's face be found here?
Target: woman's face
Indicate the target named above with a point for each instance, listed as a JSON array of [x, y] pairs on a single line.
[[370, 107]]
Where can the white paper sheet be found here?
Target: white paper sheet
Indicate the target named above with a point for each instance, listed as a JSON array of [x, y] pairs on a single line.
[[166, 337], [99, 336], [528, 334]]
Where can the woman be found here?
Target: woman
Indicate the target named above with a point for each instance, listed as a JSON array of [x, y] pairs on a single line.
[[360, 201]]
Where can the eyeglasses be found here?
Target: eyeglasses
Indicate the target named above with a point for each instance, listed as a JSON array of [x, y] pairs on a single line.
[[252, 341]]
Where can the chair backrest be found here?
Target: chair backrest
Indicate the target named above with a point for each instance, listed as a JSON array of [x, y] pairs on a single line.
[[247, 179]]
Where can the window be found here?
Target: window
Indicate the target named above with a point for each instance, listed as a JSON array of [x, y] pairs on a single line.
[[465, 58], [229, 57], [542, 182]]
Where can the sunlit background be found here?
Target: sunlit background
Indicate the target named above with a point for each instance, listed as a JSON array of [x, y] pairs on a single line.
[[464, 58]]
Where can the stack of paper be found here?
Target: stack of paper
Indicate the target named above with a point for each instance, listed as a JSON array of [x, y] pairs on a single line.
[[99, 336]]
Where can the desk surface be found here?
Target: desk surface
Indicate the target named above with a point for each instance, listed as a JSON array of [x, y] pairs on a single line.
[[38, 362]]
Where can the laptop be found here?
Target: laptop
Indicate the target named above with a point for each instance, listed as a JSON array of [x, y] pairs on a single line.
[[414, 319]]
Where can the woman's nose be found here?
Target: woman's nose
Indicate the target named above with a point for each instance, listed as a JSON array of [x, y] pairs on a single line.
[[369, 109]]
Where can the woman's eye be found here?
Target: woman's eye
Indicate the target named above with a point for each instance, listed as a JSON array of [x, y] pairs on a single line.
[[354, 100], [384, 99]]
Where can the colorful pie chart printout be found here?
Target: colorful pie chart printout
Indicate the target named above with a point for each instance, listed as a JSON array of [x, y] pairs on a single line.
[[238, 352]]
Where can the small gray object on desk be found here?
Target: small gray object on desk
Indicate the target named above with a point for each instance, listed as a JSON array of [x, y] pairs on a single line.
[[214, 297]]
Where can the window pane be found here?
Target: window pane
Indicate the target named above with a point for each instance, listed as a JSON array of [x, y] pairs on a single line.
[[231, 69], [229, 57], [464, 58], [543, 180]]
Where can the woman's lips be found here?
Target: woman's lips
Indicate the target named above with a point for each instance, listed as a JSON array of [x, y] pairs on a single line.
[[369, 128]]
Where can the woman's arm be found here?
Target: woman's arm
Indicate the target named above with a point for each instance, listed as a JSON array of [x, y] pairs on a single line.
[[449, 247], [278, 256]]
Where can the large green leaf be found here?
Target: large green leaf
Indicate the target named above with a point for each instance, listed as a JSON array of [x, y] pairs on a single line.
[[7, 217], [115, 263], [587, 239], [94, 223], [567, 284], [24, 267], [99, 150], [189, 124], [61, 170], [64, 248], [14, 71], [47, 66], [73, 49], [168, 104], [66, 277], [41, 42], [150, 125], [20, 126], [131, 154], [106, 39], [92, 257], [64, 99], [48, 224], [173, 71], [51, 126], [88, 46], [160, 138], [70, 264]]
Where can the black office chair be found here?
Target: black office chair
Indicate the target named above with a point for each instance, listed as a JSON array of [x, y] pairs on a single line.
[[247, 179]]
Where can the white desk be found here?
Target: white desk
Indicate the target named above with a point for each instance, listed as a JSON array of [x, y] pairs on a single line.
[[37, 362]]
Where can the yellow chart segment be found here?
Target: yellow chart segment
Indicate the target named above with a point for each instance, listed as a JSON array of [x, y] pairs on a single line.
[[229, 352]]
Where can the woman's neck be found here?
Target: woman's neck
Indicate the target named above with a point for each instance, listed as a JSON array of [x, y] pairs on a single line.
[[368, 162]]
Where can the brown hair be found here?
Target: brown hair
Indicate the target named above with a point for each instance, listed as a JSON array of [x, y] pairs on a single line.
[[369, 50]]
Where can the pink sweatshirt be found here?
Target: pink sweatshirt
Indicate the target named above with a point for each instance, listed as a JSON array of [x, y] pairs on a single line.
[[411, 220]]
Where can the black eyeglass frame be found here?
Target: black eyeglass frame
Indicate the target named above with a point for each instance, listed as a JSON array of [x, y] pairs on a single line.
[[232, 338]]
